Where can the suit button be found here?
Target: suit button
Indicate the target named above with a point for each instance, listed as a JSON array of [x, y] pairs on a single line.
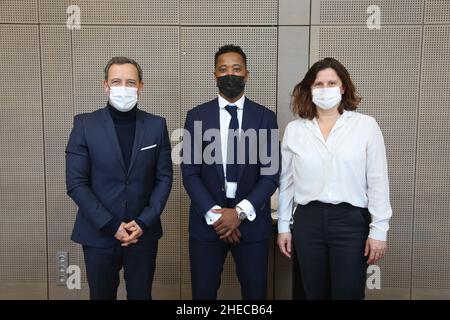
[[127, 182], [124, 204], [223, 189]]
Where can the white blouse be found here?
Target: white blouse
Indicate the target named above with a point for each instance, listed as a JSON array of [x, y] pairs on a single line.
[[350, 166]]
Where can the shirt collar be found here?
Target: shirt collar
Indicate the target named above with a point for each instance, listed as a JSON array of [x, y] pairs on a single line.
[[224, 102], [346, 114], [342, 119]]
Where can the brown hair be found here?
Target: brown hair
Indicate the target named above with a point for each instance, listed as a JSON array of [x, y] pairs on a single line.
[[122, 60], [302, 104]]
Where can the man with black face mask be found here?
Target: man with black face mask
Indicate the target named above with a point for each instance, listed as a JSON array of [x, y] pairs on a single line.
[[230, 196]]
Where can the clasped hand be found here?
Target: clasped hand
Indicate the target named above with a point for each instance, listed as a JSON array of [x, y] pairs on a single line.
[[128, 233], [227, 225]]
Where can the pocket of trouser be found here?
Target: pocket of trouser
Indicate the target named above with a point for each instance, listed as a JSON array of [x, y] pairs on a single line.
[[363, 219], [352, 217], [295, 212], [366, 215], [297, 215]]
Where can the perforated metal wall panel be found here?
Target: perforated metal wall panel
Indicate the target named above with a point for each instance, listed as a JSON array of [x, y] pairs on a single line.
[[22, 198], [112, 12], [437, 11], [293, 57], [230, 12], [431, 256], [198, 85], [13, 11], [294, 12], [57, 89], [385, 67], [48, 74], [156, 49], [349, 12]]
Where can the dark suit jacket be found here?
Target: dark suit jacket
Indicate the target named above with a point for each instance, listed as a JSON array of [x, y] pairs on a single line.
[[205, 183], [99, 184]]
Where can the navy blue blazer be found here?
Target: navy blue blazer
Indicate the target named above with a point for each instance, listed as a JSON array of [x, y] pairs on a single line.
[[102, 188], [205, 183]]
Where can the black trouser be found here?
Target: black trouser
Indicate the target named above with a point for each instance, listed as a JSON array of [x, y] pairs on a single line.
[[329, 242], [207, 260], [103, 266]]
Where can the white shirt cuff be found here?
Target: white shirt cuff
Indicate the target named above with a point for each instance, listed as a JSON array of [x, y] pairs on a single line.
[[212, 217], [284, 226], [377, 234], [248, 208]]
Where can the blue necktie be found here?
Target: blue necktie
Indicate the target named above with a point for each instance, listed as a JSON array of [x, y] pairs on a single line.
[[232, 145]]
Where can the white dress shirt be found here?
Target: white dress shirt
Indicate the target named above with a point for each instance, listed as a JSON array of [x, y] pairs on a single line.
[[350, 166], [230, 187]]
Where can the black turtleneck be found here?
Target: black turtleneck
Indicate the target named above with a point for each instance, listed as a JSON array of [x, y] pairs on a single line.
[[125, 123]]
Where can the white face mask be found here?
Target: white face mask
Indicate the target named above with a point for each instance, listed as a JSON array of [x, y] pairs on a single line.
[[326, 98], [123, 98]]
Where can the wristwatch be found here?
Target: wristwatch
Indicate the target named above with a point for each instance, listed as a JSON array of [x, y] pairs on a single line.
[[241, 213]]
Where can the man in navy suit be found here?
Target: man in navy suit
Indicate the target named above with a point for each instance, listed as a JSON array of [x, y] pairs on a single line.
[[119, 173], [230, 196]]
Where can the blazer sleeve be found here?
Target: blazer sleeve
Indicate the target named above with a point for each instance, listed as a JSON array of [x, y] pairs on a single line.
[[268, 180], [78, 178], [196, 189], [163, 183]]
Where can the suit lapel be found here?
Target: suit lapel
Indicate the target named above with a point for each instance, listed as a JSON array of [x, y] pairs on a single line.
[[215, 124], [112, 136], [249, 120], [138, 137]]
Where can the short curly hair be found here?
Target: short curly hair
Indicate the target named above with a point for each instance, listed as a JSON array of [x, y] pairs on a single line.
[[229, 48]]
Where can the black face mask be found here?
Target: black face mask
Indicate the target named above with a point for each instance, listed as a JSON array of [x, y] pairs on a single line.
[[231, 86]]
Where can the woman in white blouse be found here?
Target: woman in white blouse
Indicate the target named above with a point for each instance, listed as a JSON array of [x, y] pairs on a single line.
[[334, 170]]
